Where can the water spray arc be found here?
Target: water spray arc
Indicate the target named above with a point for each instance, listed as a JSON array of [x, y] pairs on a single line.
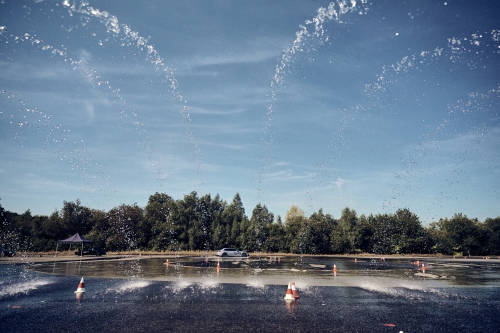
[[302, 43]]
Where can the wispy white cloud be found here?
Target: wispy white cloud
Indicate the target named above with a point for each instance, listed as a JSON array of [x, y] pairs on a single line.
[[89, 108], [252, 52], [229, 146], [339, 182], [198, 110], [287, 175]]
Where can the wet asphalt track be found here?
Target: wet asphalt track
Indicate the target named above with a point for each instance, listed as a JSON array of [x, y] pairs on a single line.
[[35, 302]]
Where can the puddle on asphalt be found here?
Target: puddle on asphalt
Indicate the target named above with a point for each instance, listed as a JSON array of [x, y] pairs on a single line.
[[310, 271]]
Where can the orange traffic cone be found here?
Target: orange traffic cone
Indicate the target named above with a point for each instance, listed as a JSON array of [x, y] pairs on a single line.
[[294, 291], [423, 268], [218, 267], [289, 293], [81, 287], [335, 268], [80, 290]]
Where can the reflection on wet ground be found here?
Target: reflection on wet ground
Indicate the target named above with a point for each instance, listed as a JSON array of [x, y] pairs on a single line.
[[188, 295], [314, 271]]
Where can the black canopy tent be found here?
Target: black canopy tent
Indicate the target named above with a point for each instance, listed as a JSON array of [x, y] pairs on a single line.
[[75, 239]]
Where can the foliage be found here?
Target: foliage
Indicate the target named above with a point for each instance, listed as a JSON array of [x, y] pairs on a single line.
[[343, 234], [463, 236], [204, 224]]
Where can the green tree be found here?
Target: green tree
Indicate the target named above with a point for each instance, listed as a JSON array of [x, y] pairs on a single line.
[[382, 233], [258, 229], [76, 217], [159, 214], [54, 227], [365, 232], [294, 229], [100, 228], [408, 235], [217, 208], [316, 231], [243, 239], [275, 241], [236, 214], [493, 227], [3, 218], [123, 227], [40, 241], [187, 214], [226, 230], [17, 232], [199, 232], [344, 234], [460, 235]]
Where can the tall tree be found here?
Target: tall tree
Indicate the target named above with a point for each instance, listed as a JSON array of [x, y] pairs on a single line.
[[217, 209], [258, 229], [201, 224], [365, 232], [100, 226], [460, 235], [344, 234], [123, 227], [294, 229], [236, 214], [187, 213], [493, 226], [408, 235], [315, 233], [40, 242], [382, 233], [275, 241], [76, 217], [158, 216], [17, 232]]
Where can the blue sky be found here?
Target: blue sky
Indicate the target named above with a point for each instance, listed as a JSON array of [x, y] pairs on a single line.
[[371, 105]]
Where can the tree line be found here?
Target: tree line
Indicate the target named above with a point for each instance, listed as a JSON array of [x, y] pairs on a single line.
[[205, 223]]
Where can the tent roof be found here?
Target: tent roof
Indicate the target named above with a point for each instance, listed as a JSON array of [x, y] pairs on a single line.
[[75, 239]]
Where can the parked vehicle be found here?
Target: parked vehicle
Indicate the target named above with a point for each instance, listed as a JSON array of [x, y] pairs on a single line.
[[6, 253], [231, 252], [95, 251]]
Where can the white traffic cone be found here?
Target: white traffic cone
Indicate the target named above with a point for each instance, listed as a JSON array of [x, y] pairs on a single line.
[[81, 287], [80, 290], [289, 293]]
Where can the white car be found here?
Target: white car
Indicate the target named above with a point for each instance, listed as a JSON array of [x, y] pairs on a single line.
[[231, 252]]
